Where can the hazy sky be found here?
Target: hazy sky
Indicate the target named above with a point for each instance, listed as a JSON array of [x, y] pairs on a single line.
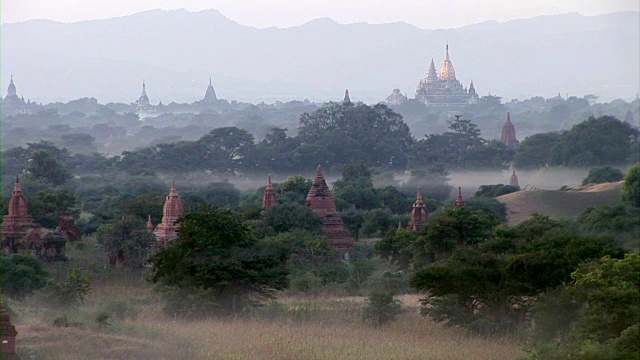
[[283, 13]]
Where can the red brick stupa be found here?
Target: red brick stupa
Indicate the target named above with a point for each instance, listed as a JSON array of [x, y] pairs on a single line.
[[460, 203], [166, 231], [509, 134], [269, 198], [419, 214], [9, 334], [322, 203]]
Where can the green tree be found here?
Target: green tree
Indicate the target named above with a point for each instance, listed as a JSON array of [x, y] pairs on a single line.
[[602, 174], [42, 165], [228, 149], [396, 247], [595, 316], [126, 239], [536, 150], [297, 184], [373, 134], [284, 218], [22, 275], [72, 291], [631, 186], [381, 308], [216, 254]]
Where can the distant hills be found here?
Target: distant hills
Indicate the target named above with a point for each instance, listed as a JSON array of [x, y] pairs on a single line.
[[175, 52]]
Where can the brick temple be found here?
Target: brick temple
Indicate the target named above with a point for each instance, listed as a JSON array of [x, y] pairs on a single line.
[[459, 203], [513, 180], [269, 197], [322, 203], [21, 234], [508, 136], [419, 215], [173, 209]]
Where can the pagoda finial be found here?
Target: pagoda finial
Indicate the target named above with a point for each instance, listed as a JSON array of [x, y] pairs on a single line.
[[16, 187], [347, 99], [210, 81], [459, 201], [269, 179], [12, 78], [419, 197], [319, 171], [149, 224], [508, 117], [173, 186]]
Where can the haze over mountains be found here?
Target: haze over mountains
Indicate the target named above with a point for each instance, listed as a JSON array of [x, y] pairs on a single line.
[[175, 52]]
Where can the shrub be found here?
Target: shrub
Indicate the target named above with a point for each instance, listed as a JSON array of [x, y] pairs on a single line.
[[631, 186], [602, 174], [381, 308], [73, 290], [21, 275]]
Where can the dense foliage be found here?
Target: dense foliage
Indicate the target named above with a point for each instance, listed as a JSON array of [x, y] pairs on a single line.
[[217, 257]]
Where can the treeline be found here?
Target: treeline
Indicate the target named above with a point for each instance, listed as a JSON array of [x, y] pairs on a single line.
[[338, 134]]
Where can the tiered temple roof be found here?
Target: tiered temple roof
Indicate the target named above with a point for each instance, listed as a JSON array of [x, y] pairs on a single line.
[[460, 203], [444, 89], [509, 134], [419, 215], [322, 203], [269, 198], [20, 234], [173, 209]]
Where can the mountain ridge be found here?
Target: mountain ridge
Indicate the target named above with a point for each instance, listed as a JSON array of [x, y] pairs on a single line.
[[315, 60]]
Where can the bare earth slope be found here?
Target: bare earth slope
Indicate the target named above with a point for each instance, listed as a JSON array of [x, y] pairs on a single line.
[[559, 204]]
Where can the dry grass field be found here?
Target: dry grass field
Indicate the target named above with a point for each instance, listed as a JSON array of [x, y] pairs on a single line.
[[291, 328], [559, 204]]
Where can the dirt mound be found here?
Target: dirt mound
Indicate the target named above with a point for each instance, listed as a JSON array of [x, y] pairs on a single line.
[[559, 204]]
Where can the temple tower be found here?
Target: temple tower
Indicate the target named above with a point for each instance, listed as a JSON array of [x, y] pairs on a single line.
[[513, 181], [419, 215], [322, 203], [508, 136], [149, 225], [12, 96], [210, 94], [432, 76], [269, 198], [173, 209], [347, 99], [447, 72], [460, 203], [9, 334]]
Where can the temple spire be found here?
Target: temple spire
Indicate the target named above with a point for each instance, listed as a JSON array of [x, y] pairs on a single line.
[[269, 199], [508, 136], [459, 201], [347, 99], [419, 216], [149, 224], [513, 181], [447, 72], [319, 171]]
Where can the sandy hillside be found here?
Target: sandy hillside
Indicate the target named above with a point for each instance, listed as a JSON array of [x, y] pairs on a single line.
[[559, 204]]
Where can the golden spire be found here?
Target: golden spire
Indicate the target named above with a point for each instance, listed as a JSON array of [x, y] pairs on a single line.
[[447, 73]]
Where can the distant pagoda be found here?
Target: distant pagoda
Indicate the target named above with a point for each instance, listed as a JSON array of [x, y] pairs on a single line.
[[508, 136], [210, 95], [347, 99], [173, 209], [445, 89], [322, 203], [269, 198], [143, 103], [459, 203], [513, 180], [419, 215]]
